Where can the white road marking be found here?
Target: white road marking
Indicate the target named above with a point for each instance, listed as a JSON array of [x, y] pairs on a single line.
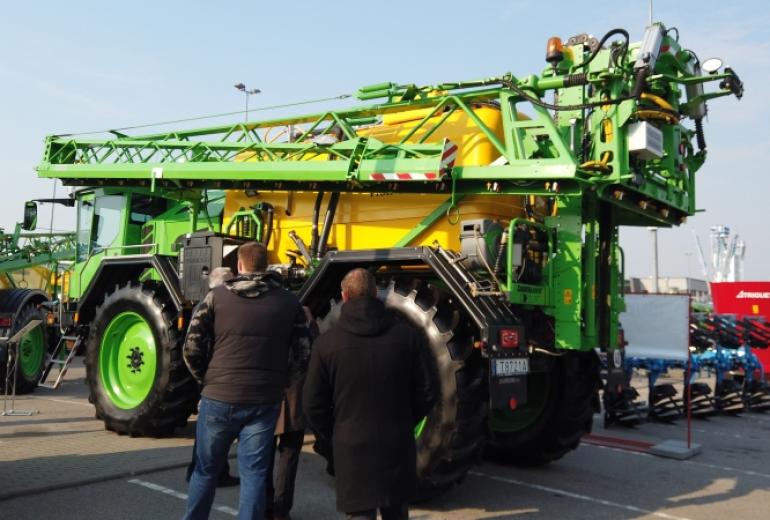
[[712, 432], [577, 496], [64, 401], [691, 462], [168, 491]]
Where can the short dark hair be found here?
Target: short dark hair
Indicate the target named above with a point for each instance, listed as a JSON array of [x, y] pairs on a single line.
[[359, 282], [253, 256]]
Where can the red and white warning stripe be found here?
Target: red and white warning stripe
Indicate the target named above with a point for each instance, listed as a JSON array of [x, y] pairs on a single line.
[[448, 156], [428, 176]]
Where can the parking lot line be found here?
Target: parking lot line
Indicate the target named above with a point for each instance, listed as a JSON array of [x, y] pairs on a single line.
[[182, 496], [64, 401], [577, 496], [706, 431], [691, 462]]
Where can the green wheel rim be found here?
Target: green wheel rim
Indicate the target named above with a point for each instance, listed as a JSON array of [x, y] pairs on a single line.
[[128, 360], [420, 427], [31, 352], [538, 393]]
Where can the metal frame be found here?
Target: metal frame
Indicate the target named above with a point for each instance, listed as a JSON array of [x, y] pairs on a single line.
[[487, 312], [578, 156], [12, 358]]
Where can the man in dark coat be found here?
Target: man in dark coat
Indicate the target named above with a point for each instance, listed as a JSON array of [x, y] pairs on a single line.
[[259, 341], [365, 390]]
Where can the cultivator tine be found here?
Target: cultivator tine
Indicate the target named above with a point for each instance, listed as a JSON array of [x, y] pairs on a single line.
[[701, 402], [729, 397], [758, 396], [623, 408], [664, 405]]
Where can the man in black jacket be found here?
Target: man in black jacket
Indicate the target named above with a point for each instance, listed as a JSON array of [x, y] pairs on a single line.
[[366, 389], [260, 344], [217, 277]]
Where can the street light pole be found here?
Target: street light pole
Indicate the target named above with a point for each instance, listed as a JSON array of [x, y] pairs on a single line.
[[247, 92], [654, 232]]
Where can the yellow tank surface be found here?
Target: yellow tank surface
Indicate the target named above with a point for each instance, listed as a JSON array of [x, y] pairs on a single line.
[[366, 221], [474, 148], [36, 277], [380, 220]]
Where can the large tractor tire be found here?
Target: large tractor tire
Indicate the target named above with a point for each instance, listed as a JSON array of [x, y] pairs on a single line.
[[451, 438], [32, 351], [137, 378], [559, 411]]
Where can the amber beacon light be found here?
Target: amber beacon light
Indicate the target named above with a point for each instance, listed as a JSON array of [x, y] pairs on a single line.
[[554, 51]]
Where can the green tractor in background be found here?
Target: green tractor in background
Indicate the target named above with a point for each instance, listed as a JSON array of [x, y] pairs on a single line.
[[30, 279]]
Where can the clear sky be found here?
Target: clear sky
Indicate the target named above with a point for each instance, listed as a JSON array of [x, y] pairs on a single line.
[[91, 65]]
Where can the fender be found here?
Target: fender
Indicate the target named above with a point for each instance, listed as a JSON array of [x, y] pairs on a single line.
[[117, 270]]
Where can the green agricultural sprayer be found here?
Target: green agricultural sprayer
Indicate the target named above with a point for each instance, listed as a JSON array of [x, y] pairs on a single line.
[[488, 210]]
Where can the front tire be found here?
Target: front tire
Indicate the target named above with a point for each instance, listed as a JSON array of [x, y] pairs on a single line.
[[137, 379]]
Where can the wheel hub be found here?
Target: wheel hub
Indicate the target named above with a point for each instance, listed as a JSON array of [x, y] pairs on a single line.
[[136, 358]]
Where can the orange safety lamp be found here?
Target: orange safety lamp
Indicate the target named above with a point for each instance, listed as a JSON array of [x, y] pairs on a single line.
[[554, 51]]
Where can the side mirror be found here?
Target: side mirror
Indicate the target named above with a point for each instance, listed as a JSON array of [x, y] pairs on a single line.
[[30, 216]]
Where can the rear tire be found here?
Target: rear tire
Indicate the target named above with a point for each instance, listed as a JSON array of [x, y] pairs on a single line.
[[137, 379], [559, 412], [32, 351]]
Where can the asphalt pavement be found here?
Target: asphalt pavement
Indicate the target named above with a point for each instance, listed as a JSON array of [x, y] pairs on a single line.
[[60, 463]]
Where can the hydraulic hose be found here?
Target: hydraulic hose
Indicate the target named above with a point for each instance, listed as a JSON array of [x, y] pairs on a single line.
[[314, 230], [501, 252], [268, 222], [582, 79], [604, 39], [699, 137], [640, 82], [331, 209], [550, 106], [662, 103]]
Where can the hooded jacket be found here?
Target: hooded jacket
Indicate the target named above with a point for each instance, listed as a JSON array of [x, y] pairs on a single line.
[[248, 339], [365, 390]]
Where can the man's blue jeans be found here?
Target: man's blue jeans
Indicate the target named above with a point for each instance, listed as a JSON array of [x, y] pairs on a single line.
[[219, 424]]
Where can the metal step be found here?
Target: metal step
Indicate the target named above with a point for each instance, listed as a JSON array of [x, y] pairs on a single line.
[[62, 363]]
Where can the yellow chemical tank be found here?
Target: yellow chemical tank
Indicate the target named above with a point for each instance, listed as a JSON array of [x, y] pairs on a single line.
[[35, 277], [379, 220]]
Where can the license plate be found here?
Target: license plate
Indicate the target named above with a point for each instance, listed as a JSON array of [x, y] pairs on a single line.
[[511, 367]]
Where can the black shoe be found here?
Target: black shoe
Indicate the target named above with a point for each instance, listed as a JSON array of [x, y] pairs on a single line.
[[228, 481]]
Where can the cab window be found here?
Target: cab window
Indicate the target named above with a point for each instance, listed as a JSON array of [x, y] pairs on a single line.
[[107, 221], [85, 216], [145, 208]]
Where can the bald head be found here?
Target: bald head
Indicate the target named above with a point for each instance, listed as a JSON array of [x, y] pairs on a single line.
[[358, 283]]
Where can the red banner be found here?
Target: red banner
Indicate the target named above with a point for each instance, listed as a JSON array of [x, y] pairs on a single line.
[[744, 299]]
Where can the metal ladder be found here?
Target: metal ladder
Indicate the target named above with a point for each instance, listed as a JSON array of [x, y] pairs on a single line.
[[63, 364]]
